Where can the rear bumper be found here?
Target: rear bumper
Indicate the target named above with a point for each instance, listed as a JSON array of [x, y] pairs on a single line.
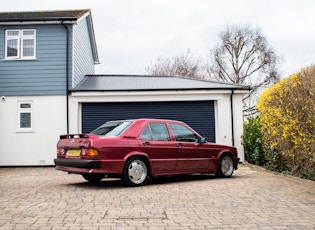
[[88, 164]]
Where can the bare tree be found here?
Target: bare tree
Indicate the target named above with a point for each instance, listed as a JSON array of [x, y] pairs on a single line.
[[243, 56], [183, 65]]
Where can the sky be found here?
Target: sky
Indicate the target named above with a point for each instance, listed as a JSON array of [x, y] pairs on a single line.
[[131, 34]]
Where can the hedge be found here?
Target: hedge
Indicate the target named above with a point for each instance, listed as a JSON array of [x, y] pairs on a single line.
[[252, 141], [287, 119]]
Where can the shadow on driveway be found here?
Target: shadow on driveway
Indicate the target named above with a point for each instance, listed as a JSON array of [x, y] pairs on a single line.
[[113, 183]]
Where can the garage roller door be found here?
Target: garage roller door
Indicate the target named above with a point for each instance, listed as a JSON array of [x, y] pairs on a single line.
[[197, 114]]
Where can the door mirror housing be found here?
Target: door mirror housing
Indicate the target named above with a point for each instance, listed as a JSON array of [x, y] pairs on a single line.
[[202, 140]]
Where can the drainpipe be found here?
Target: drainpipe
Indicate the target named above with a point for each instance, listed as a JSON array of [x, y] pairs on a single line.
[[232, 116], [67, 74]]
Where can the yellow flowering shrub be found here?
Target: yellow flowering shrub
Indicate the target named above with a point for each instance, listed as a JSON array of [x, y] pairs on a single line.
[[287, 117]]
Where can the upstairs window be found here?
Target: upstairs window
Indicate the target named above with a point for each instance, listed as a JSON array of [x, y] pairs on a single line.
[[20, 44]]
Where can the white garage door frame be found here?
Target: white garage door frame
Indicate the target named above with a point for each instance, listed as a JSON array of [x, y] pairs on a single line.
[[221, 98]]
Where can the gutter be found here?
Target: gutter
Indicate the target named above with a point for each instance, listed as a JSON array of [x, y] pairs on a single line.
[[67, 73], [232, 117], [41, 22]]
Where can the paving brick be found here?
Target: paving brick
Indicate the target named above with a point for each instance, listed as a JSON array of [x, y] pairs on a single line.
[[46, 199]]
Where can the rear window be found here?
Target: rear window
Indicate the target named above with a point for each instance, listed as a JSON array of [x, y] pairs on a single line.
[[112, 128]]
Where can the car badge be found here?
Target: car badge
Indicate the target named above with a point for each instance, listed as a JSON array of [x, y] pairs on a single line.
[[72, 141]]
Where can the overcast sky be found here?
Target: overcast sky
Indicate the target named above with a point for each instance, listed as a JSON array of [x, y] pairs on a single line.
[[132, 33]]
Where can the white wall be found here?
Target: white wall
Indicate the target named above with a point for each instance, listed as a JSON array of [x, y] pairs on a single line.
[[238, 124], [37, 147], [224, 121], [49, 112]]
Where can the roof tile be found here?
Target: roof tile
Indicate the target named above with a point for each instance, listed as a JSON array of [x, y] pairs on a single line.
[[42, 15], [147, 82]]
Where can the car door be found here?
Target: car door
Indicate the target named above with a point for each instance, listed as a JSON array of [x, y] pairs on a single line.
[[192, 155], [156, 142]]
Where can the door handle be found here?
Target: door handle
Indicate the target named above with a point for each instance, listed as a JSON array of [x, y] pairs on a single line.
[[180, 145], [146, 143]]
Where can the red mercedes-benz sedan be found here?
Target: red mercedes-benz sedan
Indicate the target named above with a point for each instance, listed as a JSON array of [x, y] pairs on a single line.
[[135, 150]]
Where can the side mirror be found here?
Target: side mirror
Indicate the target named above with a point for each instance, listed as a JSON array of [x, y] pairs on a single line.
[[202, 140]]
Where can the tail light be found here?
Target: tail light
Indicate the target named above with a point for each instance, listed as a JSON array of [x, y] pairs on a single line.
[[83, 152], [60, 152], [89, 152]]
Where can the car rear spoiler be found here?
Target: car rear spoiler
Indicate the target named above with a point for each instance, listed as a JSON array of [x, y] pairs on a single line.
[[68, 136]]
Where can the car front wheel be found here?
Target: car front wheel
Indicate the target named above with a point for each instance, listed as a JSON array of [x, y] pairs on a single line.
[[225, 166], [135, 172]]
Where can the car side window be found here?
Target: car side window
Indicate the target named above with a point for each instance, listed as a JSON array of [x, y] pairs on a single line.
[[183, 134], [146, 135], [156, 132]]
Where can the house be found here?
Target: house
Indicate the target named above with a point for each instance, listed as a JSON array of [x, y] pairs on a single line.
[[43, 55], [48, 87]]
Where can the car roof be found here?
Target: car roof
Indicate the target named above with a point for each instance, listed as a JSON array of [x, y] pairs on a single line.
[[150, 119]]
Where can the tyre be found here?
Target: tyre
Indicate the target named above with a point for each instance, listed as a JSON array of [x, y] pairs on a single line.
[[135, 172], [93, 178], [225, 166]]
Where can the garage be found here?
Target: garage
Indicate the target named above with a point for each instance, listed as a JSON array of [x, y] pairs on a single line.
[[213, 109], [197, 114]]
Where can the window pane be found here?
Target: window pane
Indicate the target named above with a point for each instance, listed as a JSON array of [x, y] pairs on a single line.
[[25, 120], [28, 32], [146, 135], [112, 128], [181, 133], [119, 129], [28, 47], [13, 33], [25, 105], [12, 49], [159, 132]]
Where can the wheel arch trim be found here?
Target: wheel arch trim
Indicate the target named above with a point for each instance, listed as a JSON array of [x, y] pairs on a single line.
[[139, 154]]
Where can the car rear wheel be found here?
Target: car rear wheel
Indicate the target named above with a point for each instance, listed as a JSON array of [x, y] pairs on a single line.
[[225, 166], [93, 178], [135, 172]]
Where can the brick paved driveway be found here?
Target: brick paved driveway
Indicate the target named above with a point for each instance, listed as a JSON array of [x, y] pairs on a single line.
[[43, 198]]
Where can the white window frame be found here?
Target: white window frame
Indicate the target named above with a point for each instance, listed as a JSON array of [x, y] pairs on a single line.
[[20, 38], [28, 110]]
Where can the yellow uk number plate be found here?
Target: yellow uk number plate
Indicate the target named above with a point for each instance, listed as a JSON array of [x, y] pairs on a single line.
[[73, 153]]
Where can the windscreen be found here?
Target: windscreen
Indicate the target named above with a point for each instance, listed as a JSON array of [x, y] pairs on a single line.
[[112, 128]]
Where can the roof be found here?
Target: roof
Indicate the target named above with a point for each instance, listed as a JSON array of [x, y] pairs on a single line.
[[57, 15], [148, 82]]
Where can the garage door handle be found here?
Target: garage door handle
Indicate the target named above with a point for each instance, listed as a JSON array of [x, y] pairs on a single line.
[[146, 143]]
